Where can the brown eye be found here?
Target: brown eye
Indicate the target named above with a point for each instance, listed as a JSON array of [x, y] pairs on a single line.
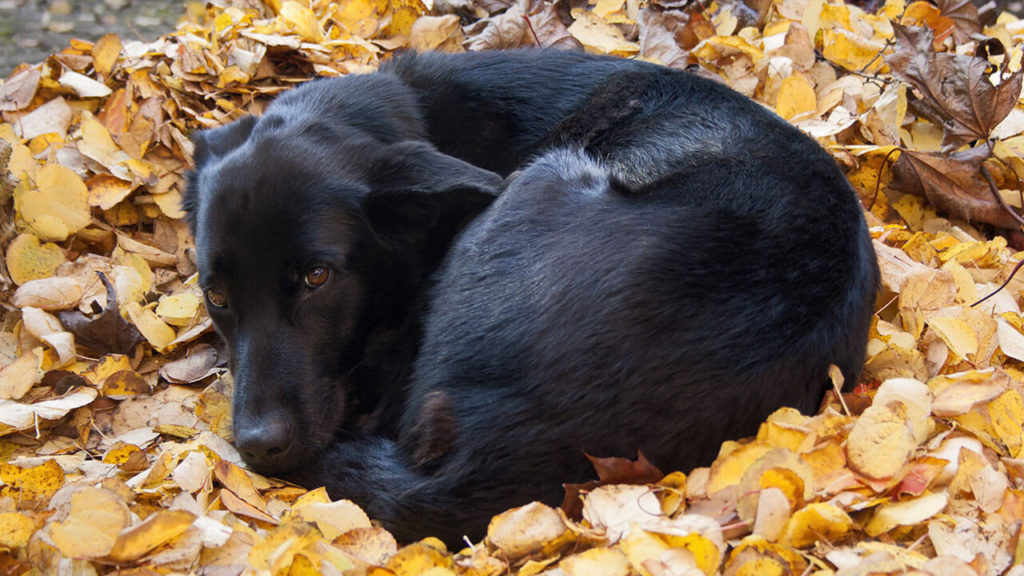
[[317, 276], [216, 297]]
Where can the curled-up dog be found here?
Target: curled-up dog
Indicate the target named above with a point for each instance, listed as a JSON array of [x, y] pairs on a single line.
[[445, 282]]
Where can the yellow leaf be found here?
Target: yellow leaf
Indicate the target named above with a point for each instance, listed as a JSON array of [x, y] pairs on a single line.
[[170, 203], [755, 556], [906, 513], [1007, 415], [57, 207], [402, 20], [96, 143], [91, 529], [417, 558], [15, 530], [125, 384], [719, 46], [178, 309], [785, 428], [372, 545], [27, 259], [19, 376], [706, 554], [120, 453], [107, 365], [957, 334], [358, 17], [640, 547], [34, 484], [599, 37], [818, 521], [729, 470], [881, 441], [158, 528], [105, 191], [238, 481], [282, 543], [435, 32], [158, 334], [302, 566], [796, 97], [302, 20], [851, 51], [105, 54], [596, 562], [335, 518], [525, 530]]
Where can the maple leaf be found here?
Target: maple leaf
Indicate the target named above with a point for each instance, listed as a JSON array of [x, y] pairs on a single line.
[[107, 331], [954, 90]]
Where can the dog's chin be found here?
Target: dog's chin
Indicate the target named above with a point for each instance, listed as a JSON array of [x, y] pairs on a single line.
[[297, 458]]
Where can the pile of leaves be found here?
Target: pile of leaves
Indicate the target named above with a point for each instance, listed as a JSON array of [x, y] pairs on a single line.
[[114, 397]]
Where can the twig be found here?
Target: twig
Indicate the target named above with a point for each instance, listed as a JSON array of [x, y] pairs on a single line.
[[532, 31], [999, 198], [878, 181]]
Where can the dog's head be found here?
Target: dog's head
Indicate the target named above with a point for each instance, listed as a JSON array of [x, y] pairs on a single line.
[[309, 238]]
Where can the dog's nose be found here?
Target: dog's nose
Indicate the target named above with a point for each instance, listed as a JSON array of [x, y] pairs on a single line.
[[265, 445]]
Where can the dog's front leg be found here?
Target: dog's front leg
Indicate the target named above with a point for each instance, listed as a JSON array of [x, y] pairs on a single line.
[[373, 473]]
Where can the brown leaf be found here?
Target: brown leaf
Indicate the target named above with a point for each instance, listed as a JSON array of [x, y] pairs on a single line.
[[954, 90], [658, 37], [625, 471], [544, 21], [506, 30], [952, 183], [107, 331], [18, 90], [964, 15]]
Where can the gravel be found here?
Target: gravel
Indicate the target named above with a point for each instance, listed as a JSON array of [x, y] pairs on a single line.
[[31, 30]]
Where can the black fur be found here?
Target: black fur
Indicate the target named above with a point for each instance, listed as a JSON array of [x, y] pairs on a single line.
[[668, 264]]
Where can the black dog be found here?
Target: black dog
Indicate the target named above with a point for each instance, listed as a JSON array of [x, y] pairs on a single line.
[[669, 264]]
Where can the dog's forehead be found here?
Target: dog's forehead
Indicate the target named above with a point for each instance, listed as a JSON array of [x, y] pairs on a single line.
[[272, 219]]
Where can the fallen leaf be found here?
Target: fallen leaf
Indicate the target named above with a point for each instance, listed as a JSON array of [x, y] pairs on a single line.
[[57, 207], [19, 376], [952, 183], [881, 441], [105, 53], [955, 90], [28, 260], [157, 529], [525, 530], [92, 527], [105, 332], [905, 513]]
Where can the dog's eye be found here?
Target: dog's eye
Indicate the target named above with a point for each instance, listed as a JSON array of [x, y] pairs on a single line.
[[317, 276], [216, 297]]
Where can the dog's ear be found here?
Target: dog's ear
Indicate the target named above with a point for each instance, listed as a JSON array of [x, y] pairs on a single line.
[[209, 145], [214, 143], [420, 196]]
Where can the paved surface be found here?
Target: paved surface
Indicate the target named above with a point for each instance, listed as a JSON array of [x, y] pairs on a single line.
[[31, 30]]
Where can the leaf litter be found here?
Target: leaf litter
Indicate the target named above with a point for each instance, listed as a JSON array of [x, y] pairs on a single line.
[[115, 400]]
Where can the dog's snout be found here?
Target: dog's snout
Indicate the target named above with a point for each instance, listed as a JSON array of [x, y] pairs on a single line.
[[266, 444]]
